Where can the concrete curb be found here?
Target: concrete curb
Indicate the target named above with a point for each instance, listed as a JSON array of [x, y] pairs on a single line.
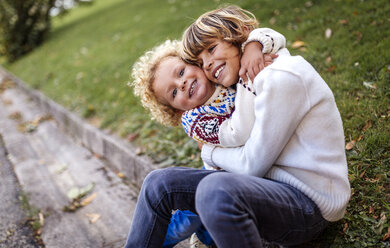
[[118, 153]]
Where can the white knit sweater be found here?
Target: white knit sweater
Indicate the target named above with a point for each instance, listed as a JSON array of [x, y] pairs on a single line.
[[297, 137]]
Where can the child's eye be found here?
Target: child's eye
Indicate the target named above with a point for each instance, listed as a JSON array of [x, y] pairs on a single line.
[[174, 92], [211, 48], [181, 73]]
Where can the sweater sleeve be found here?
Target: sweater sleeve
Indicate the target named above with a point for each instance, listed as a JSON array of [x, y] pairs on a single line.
[[280, 105], [271, 40], [235, 131]]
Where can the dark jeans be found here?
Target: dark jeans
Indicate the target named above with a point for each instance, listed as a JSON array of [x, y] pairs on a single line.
[[237, 210]]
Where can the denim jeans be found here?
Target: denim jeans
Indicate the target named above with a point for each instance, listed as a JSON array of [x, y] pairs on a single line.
[[237, 210]]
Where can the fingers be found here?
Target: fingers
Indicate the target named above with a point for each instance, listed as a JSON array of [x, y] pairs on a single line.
[[242, 74]]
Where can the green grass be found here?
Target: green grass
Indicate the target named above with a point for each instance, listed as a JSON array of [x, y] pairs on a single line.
[[86, 61]]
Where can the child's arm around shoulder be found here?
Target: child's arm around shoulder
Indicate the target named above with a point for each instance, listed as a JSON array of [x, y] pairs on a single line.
[[260, 41], [270, 40]]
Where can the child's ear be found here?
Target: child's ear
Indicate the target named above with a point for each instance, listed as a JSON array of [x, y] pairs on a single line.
[[246, 29]]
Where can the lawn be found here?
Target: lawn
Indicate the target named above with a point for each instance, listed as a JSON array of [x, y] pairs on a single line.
[[85, 65]]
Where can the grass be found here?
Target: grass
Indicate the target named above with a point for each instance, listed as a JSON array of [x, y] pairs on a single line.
[[86, 61]]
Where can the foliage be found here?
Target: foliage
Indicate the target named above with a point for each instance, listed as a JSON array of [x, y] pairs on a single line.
[[346, 41], [23, 26]]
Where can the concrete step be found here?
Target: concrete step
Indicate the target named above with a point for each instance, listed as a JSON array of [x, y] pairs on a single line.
[[48, 164]]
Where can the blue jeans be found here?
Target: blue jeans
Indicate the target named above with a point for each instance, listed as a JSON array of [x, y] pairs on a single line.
[[237, 210]]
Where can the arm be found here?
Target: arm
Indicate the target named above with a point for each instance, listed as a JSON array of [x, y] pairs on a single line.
[[261, 40], [270, 40], [280, 105], [235, 130]]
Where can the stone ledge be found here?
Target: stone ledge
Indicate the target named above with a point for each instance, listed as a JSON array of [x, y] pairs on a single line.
[[118, 153]]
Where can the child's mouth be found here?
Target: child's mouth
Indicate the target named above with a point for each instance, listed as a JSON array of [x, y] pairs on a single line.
[[218, 71], [193, 87]]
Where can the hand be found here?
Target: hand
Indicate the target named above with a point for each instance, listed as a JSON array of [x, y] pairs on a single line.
[[269, 59], [253, 61]]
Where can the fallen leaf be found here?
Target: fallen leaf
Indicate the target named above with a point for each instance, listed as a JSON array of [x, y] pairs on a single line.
[[343, 22], [92, 217], [272, 21], [98, 156], [332, 68], [120, 175], [371, 210], [387, 235], [132, 136], [345, 227], [350, 145], [328, 33], [362, 174], [367, 126], [308, 4], [88, 200], [17, 116], [369, 85], [329, 59], [359, 35], [297, 44], [77, 192], [41, 219], [7, 101]]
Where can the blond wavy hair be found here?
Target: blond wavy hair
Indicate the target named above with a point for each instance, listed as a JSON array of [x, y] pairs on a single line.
[[232, 24], [143, 74]]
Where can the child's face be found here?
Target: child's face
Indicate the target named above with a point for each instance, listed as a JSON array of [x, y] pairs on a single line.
[[181, 85], [221, 62]]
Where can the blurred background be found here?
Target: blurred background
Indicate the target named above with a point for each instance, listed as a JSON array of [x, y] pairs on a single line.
[[80, 54]]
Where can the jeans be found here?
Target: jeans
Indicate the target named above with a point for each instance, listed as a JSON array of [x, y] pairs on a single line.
[[237, 210]]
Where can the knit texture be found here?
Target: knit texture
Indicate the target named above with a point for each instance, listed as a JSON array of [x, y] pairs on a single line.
[[202, 123]]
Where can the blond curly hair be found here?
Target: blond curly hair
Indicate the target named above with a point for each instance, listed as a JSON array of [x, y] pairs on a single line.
[[143, 74], [232, 24]]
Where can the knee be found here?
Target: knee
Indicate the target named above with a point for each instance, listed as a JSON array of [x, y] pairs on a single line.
[[156, 183], [213, 193]]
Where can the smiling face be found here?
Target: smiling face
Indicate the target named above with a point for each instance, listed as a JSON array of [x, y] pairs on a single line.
[[181, 85], [221, 62]]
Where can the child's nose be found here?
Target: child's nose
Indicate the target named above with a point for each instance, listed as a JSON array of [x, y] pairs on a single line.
[[183, 85], [207, 64]]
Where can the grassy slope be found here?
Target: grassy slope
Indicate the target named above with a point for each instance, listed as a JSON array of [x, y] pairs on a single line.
[[85, 65]]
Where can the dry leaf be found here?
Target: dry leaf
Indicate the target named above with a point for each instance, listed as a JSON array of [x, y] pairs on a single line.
[[367, 126], [132, 136], [92, 217], [41, 219], [345, 227], [328, 33], [343, 22], [272, 21], [120, 175], [308, 4], [369, 85], [350, 145], [387, 235], [371, 210], [332, 68], [88, 200], [297, 44]]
